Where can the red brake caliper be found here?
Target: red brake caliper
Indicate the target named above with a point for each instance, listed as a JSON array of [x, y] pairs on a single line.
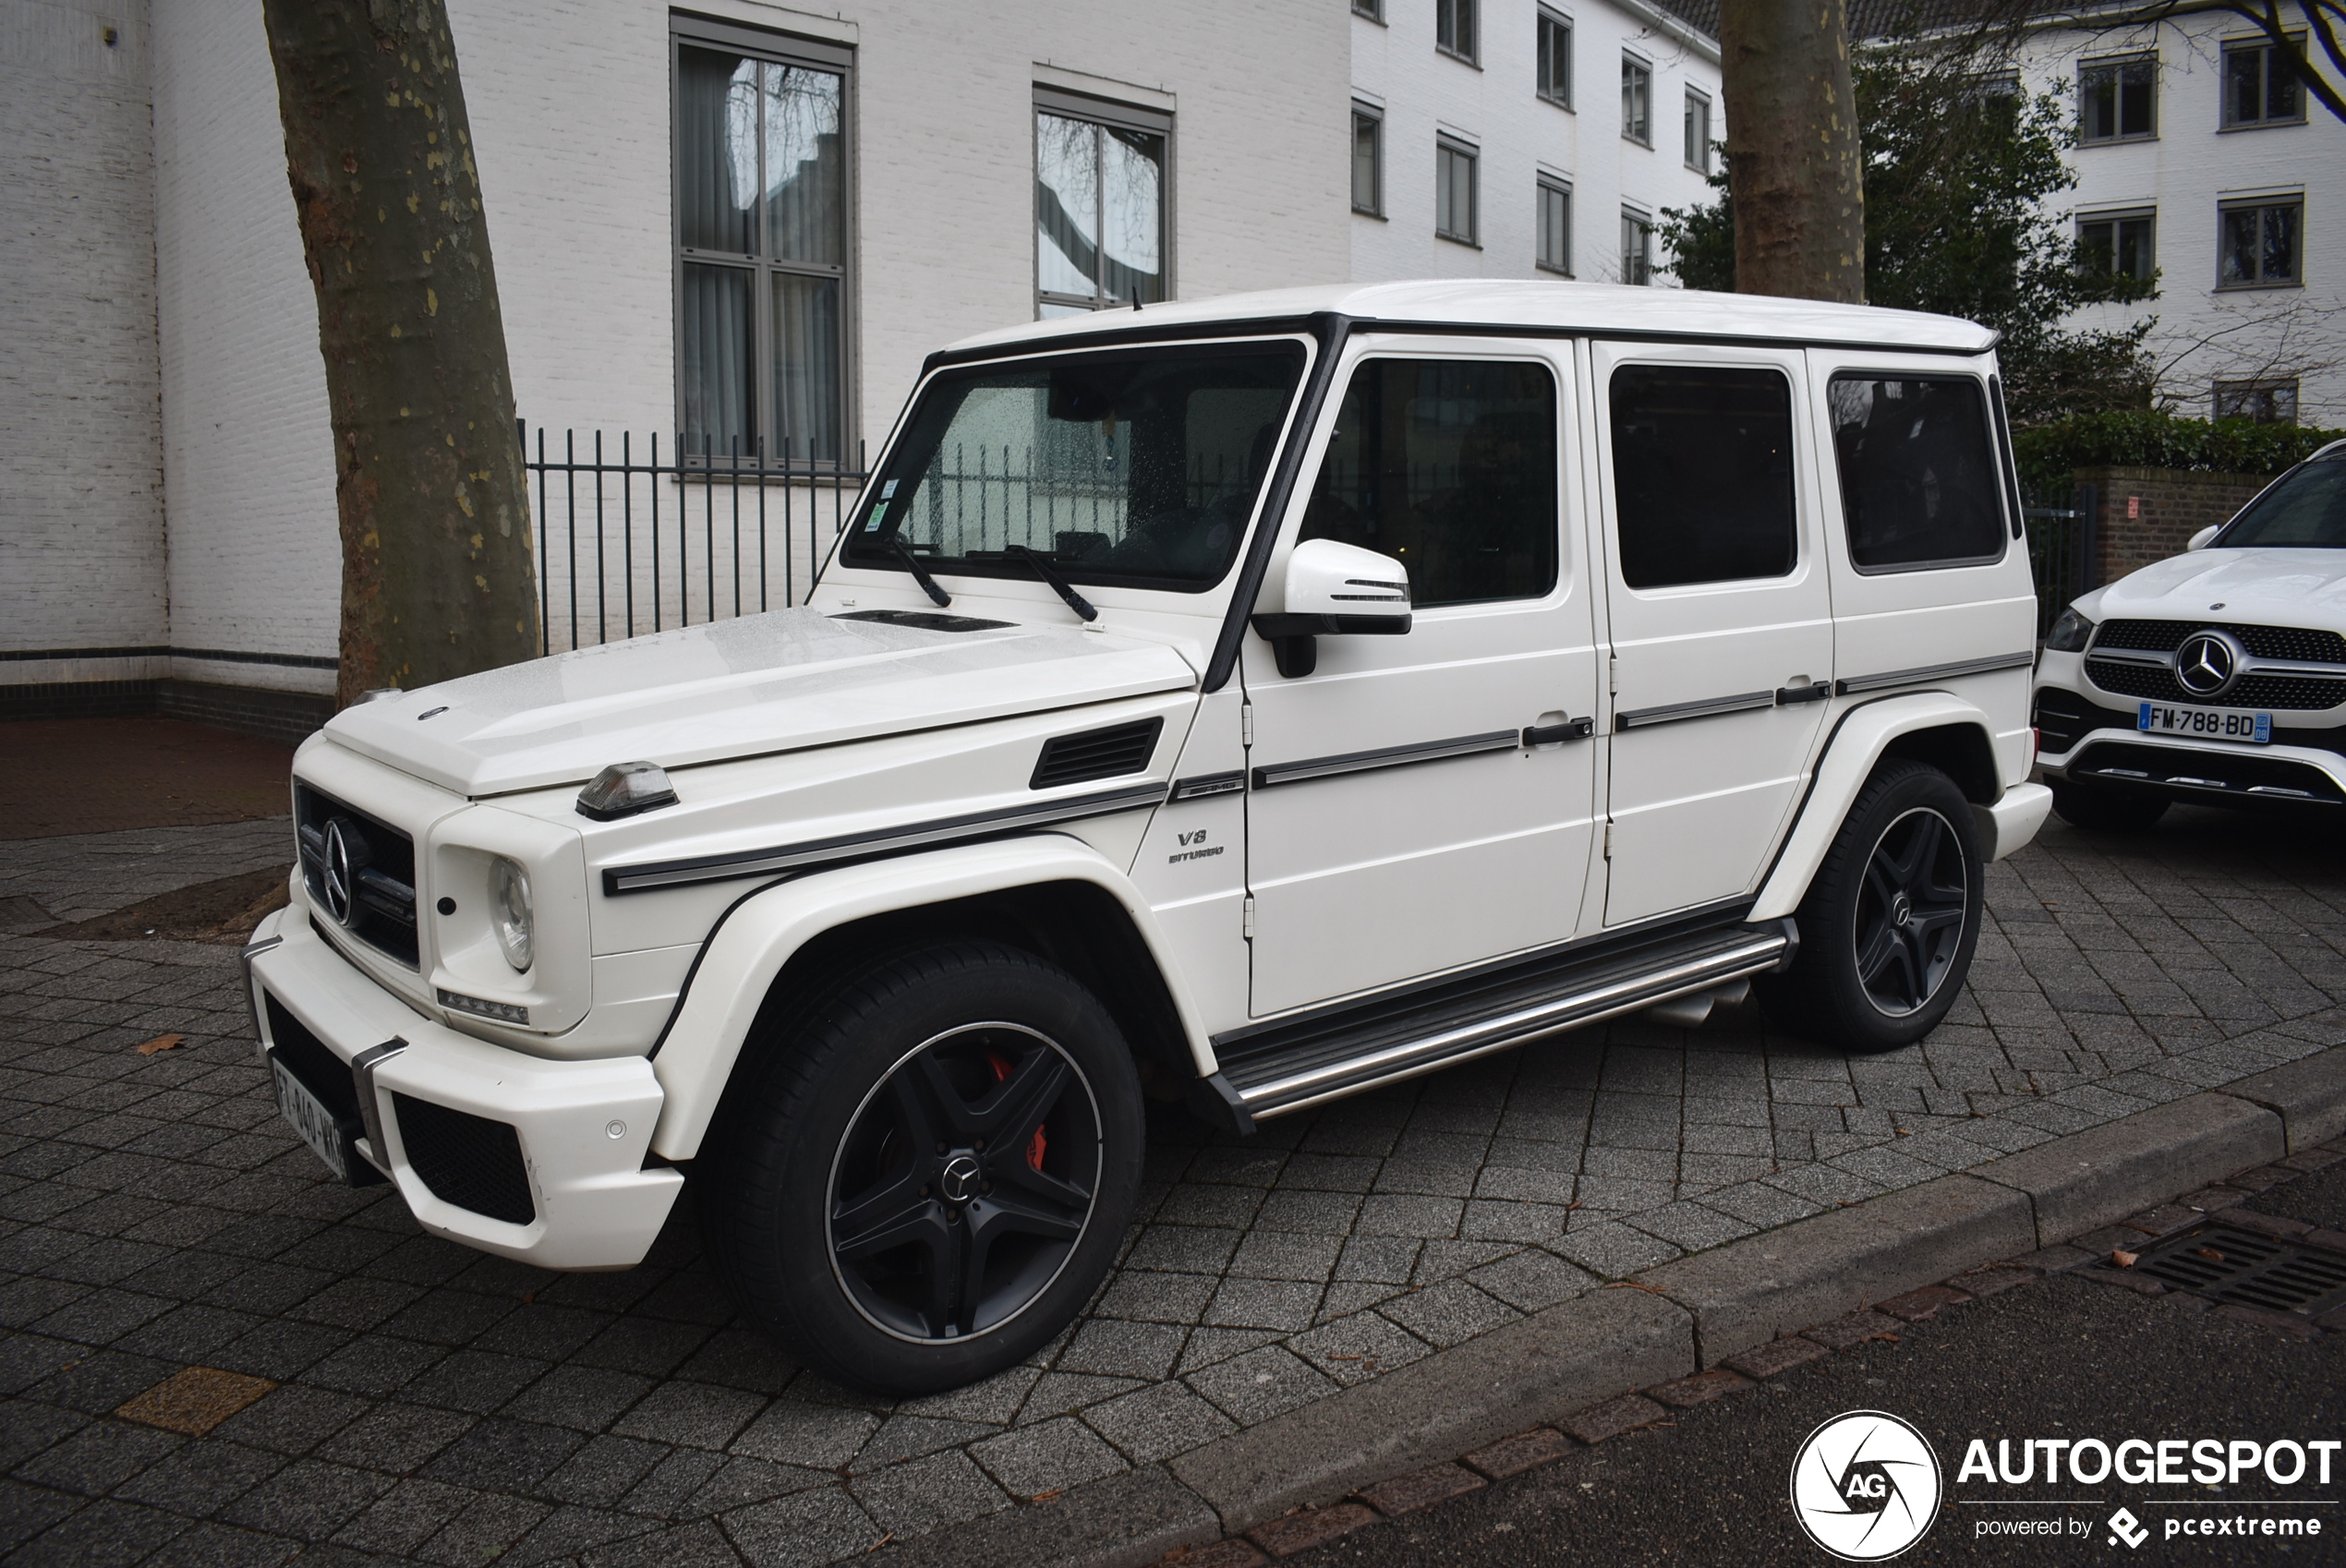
[[1002, 1065]]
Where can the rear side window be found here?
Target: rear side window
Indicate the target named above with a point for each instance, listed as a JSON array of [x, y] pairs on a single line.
[[1449, 467], [1702, 474], [1919, 484]]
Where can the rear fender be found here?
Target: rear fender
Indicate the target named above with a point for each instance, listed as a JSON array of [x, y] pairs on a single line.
[[738, 966]]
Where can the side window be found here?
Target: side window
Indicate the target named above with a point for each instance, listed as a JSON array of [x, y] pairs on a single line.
[[1702, 474], [1449, 467], [1919, 480]]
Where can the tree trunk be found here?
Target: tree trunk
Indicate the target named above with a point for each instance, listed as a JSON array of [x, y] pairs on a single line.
[[437, 577], [1792, 160]]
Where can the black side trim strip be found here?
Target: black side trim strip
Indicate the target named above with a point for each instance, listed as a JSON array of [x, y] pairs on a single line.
[[857, 846], [1390, 756], [1670, 713], [1935, 672], [1206, 784]]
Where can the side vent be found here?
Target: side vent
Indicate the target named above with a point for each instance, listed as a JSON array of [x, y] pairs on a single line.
[[1095, 754]]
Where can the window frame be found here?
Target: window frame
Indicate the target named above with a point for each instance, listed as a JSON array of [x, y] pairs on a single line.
[[1992, 424], [1544, 186], [2220, 389], [2119, 135], [2224, 209], [1644, 223], [2256, 44], [1373, 117], [2122, 215], [1643, 68], [1549, 21], [782, 49], [1698, 150], [1068, 104], [1370, 10], [1463, 16], [1446, 147]]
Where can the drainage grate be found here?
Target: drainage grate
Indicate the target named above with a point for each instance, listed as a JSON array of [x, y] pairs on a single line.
[[2254, 1269]]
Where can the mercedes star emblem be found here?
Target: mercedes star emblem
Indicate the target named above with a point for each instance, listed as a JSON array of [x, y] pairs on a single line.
[[342, 875], [959, 1179], [2208, 663]]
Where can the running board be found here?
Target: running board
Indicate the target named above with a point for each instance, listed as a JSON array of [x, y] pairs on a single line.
[[1271, 1080]]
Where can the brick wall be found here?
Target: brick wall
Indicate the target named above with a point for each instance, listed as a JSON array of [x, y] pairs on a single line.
[[2147, 514]]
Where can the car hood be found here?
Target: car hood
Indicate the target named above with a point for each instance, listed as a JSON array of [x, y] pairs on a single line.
[[2272, 587], [761, 684]]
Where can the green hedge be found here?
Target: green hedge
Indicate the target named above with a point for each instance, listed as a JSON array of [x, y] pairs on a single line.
[[2140, 439]]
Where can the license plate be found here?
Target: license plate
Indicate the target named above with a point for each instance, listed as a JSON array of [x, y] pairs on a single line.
[[2208, 723], [318, 1126]]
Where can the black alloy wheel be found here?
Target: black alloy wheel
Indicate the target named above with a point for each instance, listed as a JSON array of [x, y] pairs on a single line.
[[1910, 914], [964, 1182]]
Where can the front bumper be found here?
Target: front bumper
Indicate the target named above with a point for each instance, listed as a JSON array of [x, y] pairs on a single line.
[[569, 1176], [2090, 737]]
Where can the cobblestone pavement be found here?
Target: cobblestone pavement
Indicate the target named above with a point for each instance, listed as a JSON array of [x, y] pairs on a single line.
[[421, 1402]]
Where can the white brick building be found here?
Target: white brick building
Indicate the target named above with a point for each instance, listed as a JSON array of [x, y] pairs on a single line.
[[167, 523]]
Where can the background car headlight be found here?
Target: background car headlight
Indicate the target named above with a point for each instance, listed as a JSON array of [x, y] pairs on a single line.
[[2069, 634], [509, 911]]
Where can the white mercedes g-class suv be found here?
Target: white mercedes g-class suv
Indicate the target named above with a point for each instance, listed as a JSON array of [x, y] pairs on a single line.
[[2216, 677], [1248, 702]]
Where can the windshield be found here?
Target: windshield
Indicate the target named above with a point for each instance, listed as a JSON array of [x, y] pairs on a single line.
[[1138, 467], [2305, 510]]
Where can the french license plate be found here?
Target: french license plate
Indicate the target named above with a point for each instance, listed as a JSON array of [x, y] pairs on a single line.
[[2209, 723], [318, 1126]]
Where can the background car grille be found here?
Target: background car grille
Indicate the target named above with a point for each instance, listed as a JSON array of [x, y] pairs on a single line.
[[2263, 642], [383, 911], [2252, 690], [466, 1160]]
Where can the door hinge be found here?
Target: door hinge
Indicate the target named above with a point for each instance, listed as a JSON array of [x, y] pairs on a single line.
[[1613, 675], [1246, 917], [1608, 840], [1246, 724]]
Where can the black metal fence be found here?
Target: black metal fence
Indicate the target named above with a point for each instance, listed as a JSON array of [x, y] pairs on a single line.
[[640, 536], [2062, 547]]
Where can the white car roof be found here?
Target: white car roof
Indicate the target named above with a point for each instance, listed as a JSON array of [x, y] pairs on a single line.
[[1536, 305]]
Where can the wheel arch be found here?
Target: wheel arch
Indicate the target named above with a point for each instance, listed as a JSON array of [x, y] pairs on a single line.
[[1049, 894]]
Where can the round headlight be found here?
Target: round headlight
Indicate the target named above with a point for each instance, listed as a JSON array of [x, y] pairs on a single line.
[[509, 911]]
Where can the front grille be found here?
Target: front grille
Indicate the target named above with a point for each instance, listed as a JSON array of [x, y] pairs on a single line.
[[2157, 683], [1096, 753], [2263, 642], [466, 1160], [383, 910], [2230, 771]]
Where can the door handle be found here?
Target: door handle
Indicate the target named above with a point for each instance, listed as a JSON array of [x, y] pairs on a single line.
[[1550, 734], [1816, 694]]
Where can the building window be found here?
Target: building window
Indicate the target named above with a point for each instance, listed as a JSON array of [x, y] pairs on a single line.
[[2259, 87], [1372, 9], [1637, 100], [1454, 27], [1100, 218], [2117, 242], [2259, 244], [1453, 204], [2117, 100], [1555, 59], [1698, 133], [1637, 247], [1555, 226], [1368, 160], [761, 246], [2267, 402]]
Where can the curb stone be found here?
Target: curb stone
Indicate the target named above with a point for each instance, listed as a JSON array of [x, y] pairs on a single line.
[[1571, 1356]]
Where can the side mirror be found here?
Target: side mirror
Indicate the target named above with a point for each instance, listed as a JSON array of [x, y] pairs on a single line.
[[2199, 540], [1334, 590]]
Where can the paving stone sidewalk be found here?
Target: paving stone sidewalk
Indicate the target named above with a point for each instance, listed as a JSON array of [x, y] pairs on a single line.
[[426, 1402]]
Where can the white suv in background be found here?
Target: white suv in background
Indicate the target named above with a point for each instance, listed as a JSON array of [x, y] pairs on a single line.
[[1246, 703], [2218, 676]]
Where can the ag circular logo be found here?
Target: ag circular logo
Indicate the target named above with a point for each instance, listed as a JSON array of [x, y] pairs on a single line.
[[2208, 662], [1865, 1485]]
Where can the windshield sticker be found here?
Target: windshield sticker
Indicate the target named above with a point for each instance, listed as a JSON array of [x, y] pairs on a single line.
[[888, 491], [878, 513]]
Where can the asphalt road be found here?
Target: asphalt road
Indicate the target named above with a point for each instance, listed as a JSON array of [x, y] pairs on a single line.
[[2062, 1357]]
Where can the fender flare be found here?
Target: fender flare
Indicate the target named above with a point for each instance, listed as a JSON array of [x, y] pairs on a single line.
[[738, 965], [1851, 750]]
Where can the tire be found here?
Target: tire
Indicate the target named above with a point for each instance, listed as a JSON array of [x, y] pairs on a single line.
[[1871, 975], [2101, 810], [849, 1199]]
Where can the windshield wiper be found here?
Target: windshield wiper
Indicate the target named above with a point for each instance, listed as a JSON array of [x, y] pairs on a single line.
[[920, 573], [1058, 584]]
